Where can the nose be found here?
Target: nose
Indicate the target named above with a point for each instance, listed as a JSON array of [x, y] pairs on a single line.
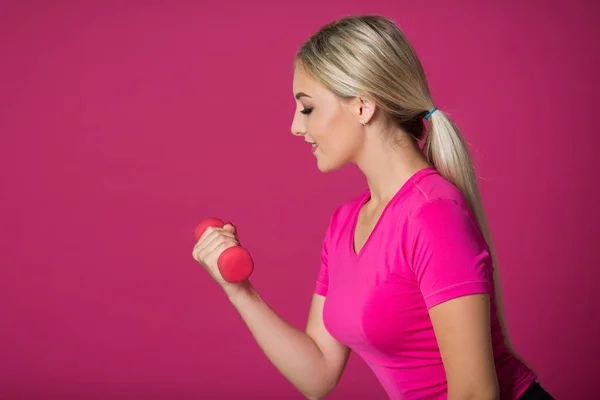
[[298, 127]]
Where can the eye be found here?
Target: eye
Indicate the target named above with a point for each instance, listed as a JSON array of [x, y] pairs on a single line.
[[306, 111]]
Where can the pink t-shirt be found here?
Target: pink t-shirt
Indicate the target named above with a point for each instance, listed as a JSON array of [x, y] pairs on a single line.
[[425, 249]]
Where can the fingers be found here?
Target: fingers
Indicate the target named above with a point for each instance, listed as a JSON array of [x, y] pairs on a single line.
[[219, 245], [211, 240], [213, 233], [229, 227], [212, 251]]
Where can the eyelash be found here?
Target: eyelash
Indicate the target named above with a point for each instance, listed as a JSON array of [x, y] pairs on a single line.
[[306, 111]]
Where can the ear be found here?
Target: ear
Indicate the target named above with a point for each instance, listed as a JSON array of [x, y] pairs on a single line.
[[366, 109]]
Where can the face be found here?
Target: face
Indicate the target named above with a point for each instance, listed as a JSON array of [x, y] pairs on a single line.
[[331, 125]]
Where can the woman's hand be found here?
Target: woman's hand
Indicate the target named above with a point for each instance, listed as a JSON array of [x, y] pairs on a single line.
[[210, 246]]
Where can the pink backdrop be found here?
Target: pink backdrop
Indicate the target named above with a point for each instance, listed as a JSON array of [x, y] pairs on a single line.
[[123, 124]]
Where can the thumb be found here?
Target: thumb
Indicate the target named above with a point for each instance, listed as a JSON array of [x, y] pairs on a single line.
[[229, 227]]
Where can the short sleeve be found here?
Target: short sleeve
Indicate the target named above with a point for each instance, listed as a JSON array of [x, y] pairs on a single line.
[[322, 284], [448, 253]]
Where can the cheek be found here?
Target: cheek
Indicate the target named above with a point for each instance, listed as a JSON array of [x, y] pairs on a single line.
[[342, 134], [331, 128], [320, 128]]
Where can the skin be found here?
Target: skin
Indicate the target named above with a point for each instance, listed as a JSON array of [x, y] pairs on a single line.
[[313, 360]]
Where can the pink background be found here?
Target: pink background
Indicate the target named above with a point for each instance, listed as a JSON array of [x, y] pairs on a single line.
[[123, 124]]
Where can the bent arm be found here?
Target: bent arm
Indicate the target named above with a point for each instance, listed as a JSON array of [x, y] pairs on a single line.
[[312, 361]]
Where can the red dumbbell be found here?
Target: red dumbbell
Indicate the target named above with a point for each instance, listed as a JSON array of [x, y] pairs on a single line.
[[235, 263]]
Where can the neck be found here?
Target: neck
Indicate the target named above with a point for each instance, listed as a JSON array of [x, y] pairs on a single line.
[[388, 165]]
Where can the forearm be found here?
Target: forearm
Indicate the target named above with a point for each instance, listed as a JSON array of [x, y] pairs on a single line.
[[293, 352]]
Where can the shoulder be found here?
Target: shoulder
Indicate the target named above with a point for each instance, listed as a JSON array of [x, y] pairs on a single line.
[[428, 191], [434, 211], [441, 222]]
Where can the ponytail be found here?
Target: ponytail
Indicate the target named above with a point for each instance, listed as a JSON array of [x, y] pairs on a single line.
[[446, 150]]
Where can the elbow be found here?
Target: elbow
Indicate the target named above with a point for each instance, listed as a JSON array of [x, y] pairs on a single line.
[[313, 396], [317, 395], [474, 395], [489, 395], [491, 392], [322, 382], [487, 392], [321, 392], [482, 395]]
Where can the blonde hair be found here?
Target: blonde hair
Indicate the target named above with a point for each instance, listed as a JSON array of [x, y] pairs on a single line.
[[369, 55]]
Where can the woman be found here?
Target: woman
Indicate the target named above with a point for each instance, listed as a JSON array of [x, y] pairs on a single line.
[[407, 267]]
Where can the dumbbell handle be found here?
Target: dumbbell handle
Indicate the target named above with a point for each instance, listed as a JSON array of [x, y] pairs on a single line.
[[235, 263]]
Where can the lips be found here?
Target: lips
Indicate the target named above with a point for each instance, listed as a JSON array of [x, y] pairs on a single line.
[[313, 145]]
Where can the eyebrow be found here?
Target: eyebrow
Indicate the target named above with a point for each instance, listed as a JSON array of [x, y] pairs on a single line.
[[301, 94]]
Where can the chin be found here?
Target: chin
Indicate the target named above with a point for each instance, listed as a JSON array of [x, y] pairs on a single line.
[[326, 167]]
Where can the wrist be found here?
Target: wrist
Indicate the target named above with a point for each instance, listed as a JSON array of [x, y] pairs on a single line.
[[237, 291]]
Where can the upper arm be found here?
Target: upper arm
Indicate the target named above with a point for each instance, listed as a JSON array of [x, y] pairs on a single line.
[[335, 353], [462, 330], [453, 267]]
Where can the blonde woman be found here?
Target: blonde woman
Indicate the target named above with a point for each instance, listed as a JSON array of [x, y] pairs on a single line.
[[407, 268]]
